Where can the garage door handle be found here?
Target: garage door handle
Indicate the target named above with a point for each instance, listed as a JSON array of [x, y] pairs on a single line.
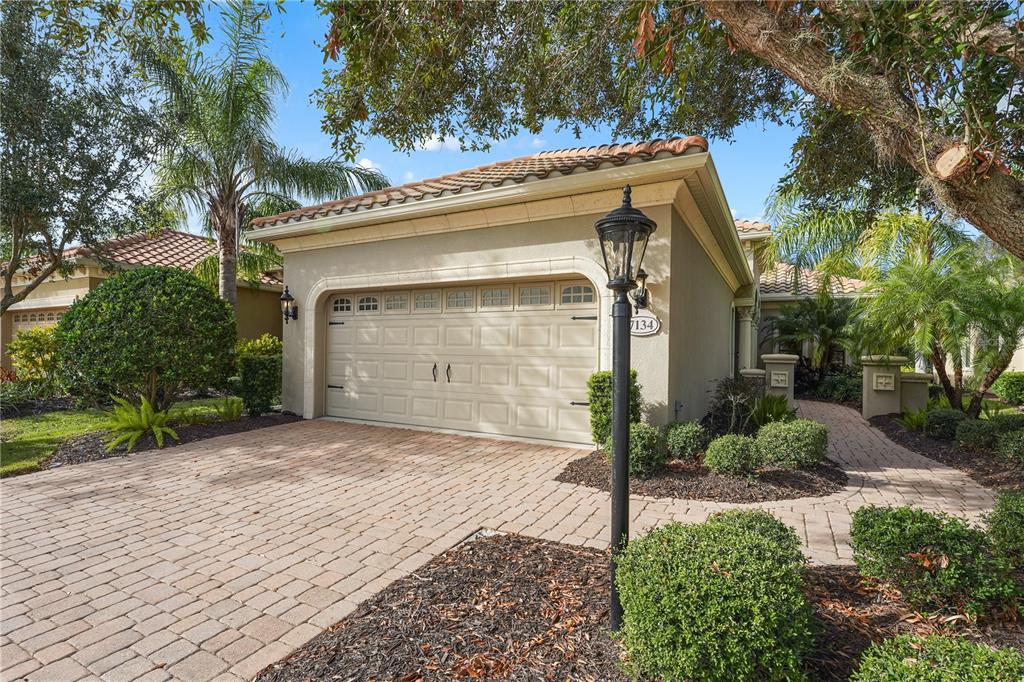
[[448, 372], [435, 372]]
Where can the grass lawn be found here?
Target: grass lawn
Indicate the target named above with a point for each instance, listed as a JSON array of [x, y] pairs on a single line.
[[25, 441]]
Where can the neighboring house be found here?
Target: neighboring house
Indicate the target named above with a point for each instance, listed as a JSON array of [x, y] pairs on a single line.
[[476, 301], [258, 312], [781, 285]]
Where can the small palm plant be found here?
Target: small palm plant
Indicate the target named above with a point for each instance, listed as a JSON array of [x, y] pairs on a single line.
[[229, 409], [128, 423], [772, 408]]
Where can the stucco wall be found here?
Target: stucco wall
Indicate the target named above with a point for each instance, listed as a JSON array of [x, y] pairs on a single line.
[[702, 327], [258, 312]]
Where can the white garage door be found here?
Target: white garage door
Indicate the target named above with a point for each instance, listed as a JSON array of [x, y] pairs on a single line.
[[502, 359]]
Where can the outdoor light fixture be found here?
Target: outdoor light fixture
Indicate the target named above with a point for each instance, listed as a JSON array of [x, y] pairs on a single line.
[[288, 307], [640, 297], [623, 234]]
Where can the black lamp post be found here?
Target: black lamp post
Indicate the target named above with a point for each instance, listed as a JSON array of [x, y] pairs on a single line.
[[289, 310], [623, 233]]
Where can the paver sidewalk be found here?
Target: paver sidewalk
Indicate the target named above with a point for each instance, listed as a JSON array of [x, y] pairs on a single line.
[[214, 559]]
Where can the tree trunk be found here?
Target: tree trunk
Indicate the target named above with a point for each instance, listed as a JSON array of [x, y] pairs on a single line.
[[228, 244], [974, 408], [993, 202], [939, 363]]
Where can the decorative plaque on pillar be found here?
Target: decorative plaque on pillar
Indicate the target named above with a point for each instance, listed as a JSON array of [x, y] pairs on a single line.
[[780, 380], [884, 382]]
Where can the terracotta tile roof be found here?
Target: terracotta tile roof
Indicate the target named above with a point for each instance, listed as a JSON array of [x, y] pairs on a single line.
[[751, 227], [780, 280], [168, 248], [522, 169]]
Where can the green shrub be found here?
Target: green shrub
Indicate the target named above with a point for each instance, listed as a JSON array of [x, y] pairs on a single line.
[[1006, 526], [935, 560], [772, 408], [33, 354], [716, 601], [686, 440], [128, 423], [17, 394], [147, 331], [913, 421], [841, 386], [647, 451], [937, 658], [599, 393], [732, 454], [259, 382], [267, 344], [800, 443], [229, 409], [1005, 422], [1010, 387], [942, 423], [976, 434], [1010, 446]]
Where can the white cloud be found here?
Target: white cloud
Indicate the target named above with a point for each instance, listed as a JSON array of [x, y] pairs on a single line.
[[735, 215], [367, 164], [408, 176], [537, 142], [436, 144]]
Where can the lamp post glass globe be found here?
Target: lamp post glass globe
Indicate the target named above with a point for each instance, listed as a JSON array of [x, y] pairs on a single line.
[[623, 234], [288, 308]]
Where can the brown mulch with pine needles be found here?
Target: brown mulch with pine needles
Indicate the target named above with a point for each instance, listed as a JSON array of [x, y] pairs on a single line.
[[984, 467], [691, 481], [508, 607], [92, 446]]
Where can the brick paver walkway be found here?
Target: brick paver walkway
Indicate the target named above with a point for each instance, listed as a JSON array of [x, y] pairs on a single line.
[[211, 560]]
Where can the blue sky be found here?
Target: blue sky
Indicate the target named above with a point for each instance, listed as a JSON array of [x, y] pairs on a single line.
[[749, 166]]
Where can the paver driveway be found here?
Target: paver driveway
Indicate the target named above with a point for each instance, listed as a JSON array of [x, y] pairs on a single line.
[[216, 558]]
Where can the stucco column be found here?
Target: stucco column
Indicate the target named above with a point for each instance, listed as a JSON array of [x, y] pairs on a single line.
[[914, 390], [779, 371], [746, 318], [881, 392]]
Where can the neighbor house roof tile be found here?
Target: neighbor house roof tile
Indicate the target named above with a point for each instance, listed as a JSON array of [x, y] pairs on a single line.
[[787, 279], [752, 227], [519, 170]]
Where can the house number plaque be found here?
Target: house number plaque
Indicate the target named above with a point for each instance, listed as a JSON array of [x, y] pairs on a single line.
[[644, 324]]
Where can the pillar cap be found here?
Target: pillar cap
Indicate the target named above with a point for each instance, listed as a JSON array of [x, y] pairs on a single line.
[[781, 357], [921, 377], [752, 372], [888, 360]]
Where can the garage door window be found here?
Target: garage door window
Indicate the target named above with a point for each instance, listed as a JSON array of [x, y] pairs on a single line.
[[369, 304], [342, 305], [427, 301], [496, 298], [461, 300], [577, 294], [396, 303], [535, 296]]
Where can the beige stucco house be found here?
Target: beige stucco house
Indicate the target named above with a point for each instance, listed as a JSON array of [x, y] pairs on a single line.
[[258, 311], [476, 301]]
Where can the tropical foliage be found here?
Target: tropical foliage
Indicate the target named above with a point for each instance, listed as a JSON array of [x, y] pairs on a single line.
[[128, 423], [822, 323], [225, 165]]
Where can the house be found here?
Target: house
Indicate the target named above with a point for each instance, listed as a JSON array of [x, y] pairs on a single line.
[[785, 284], [258, 311], [476, 301]]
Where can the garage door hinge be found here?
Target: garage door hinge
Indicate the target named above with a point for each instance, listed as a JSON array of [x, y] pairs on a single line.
[[333, 386], [575, 403], [334, 323], [583, 317]]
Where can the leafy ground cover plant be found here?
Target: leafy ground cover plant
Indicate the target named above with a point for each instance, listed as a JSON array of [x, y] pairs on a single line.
[[1010, 387], [795, 444], [647, 453], [229, 409], [128, 423], [1007, 421], [1010, 446], [686, 440], [717, 601], [937, 658], [913, 421], [732, 454], [1006, 526], [772, 408], [599, 393], [942, 423], [976, 434], [840, 385], [935, 560]]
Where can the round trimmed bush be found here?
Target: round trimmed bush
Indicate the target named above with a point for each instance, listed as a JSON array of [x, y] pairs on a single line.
[[975, 434], [942, 423], [934, 560], [799, 443], [1010, 387], [686, 440], [937, 658], [1010, 446], [1006, 526], [266, 344], [647, 452], [764, 525], [1005, 422], [715, 601], [732, 454], [153, 332]]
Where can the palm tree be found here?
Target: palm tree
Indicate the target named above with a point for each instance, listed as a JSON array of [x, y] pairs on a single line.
[[823, 322], [225, 165]]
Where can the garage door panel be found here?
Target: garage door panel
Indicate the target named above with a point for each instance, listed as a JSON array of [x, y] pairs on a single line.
[[459, 410], [495, 375], [396, 370], [576, 336], [367, 335], [533, 417], [423, 371], [497, 337], [534, 336], [427, 336], [394, 405], [396, 336], [533, 377], [572, 378], [429, 408], [458, 338]]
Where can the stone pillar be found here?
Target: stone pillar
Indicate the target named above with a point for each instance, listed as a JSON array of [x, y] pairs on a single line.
[[881, 392], [914, 391], [754, 375], [745, 314], [779, 371]]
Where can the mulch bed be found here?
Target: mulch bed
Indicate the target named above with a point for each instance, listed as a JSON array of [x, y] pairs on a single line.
[[91, 446], [689, 481], [984, 467], [40, 406], [508, 607]]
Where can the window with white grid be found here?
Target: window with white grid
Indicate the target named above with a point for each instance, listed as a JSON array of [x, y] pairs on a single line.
[[498, 297], [368, 304], [342, 305], [427, 300], [396, 303], [574, 294], [535, 295]]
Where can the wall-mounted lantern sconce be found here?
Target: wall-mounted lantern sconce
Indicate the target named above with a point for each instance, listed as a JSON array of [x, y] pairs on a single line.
[[289, 310], [640, 296]]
